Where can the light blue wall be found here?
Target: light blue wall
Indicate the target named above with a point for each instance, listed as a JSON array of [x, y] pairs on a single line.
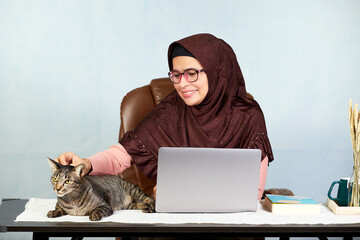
[[65, 66]]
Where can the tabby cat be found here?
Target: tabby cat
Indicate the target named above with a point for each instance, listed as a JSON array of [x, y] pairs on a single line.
[[94, 196]]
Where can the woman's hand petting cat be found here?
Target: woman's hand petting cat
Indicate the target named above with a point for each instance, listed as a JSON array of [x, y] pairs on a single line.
[[70, 158]]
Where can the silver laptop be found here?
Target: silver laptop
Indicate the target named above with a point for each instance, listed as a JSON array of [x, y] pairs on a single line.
[[207, 179]]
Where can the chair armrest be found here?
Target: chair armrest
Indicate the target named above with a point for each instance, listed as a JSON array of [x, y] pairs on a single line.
[[278, 191]]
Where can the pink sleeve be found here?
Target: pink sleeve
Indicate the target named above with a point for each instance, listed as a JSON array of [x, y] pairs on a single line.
[[110, 162], [263, 173]]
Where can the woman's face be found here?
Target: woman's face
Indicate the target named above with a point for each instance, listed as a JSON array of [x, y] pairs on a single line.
[[193, 93]]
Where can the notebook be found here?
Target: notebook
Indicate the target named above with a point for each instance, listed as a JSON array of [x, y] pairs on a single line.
[[207, 179]]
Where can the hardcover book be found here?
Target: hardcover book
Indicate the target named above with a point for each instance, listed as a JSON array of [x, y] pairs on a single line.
[[291, 204]]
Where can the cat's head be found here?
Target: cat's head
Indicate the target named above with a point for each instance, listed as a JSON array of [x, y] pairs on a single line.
[[65, 178]]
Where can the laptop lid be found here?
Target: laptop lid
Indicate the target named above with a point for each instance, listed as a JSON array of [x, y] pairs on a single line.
[[207, 179]]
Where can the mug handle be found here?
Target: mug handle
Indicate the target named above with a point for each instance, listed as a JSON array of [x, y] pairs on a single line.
[[330, 190]]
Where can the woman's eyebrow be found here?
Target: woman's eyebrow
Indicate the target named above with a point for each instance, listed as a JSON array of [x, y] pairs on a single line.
[[192, 68]]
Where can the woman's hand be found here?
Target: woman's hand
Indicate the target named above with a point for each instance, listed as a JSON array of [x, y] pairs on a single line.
[[70, 158], [154, 190]]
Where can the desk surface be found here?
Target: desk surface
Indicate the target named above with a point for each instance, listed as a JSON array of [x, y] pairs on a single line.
[[10, 209]]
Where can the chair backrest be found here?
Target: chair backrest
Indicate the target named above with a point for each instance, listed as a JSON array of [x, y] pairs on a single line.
[[140, 101]]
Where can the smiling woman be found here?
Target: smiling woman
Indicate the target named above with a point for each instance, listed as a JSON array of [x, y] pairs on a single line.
[[209, 108]]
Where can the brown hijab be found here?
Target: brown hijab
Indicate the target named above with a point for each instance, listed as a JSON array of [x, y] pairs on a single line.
[[226, 118]]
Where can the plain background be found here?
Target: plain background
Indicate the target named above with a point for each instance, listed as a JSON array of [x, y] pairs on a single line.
[[66, 65]]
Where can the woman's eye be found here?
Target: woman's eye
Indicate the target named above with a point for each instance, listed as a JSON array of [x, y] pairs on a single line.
[[68, 181]]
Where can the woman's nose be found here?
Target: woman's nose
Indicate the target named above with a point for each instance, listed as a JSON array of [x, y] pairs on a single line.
[[183, 81]]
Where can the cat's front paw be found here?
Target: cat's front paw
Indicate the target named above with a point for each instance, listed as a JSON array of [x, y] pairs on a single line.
[[148, 208], [55, 213], [100, 212]]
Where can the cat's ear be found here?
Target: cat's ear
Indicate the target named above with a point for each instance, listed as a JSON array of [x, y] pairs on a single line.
[[80, 170], [53, 165]]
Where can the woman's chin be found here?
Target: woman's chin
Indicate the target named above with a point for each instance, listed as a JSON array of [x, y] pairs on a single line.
[[191, 101]]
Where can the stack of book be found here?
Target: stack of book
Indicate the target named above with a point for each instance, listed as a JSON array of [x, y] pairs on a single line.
[[291, 204]]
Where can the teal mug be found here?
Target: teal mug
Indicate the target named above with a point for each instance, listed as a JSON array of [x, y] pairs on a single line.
[[342, 194]]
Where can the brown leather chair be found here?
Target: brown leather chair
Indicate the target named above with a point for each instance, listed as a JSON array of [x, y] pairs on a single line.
[[134, 107]]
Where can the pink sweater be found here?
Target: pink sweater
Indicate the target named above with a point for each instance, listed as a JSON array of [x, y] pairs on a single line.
[[111, 161], [115, 160]]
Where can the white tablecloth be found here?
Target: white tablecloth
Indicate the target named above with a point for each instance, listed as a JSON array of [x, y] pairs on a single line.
[[36, 210]]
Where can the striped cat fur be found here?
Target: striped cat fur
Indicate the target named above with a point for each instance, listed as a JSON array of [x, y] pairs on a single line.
[[94, 196]]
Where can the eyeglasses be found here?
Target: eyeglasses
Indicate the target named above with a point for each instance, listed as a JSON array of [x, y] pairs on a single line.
[[191, 75]]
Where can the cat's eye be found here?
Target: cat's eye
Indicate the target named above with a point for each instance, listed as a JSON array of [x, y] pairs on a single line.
[[68, 181], [54, 179]]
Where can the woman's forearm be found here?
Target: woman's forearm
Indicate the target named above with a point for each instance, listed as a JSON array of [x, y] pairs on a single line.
[[111, 161]]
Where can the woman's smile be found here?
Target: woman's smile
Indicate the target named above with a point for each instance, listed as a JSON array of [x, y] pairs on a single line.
[[188, 93]]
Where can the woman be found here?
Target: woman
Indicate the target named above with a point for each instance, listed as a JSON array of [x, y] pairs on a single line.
[[209, 108]]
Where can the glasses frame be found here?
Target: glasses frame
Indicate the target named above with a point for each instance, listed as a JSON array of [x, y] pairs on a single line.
[[186, 76]]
